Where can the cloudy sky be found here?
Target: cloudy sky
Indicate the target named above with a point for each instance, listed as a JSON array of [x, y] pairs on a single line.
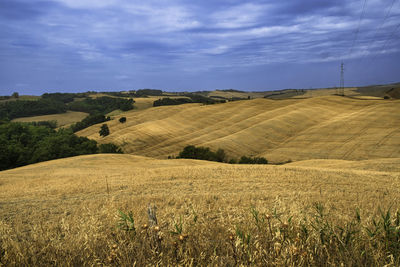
[[80, 45]]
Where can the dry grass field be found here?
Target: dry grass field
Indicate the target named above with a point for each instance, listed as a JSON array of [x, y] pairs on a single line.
[[63, 119], [336, 204], [66, 211], [327, 127]]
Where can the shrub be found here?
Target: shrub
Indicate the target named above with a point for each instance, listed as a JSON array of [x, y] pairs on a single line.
[[202, 153], [104, 131], [122, 119], [255, 160]]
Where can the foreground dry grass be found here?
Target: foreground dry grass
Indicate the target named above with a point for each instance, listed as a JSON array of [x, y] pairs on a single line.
[[63, 119], [65, 212], [328, 127]]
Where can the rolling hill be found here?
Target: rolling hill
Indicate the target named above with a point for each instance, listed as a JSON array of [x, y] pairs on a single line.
[[327, 127], [66, 210]]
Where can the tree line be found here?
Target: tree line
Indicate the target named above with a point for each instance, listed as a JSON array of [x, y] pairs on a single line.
[[56, 103], [205, 153], [26, 143], [190, 98]]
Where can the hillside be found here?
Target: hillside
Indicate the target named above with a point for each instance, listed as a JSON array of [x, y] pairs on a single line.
[[67, 209], [329, 127]]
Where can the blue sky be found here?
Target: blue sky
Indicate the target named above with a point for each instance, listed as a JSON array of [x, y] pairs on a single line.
[[176, 45]]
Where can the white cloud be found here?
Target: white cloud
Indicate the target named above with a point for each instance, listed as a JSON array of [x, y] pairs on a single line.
[[88, 3], [151, 17], [220, 49], [239, 16]]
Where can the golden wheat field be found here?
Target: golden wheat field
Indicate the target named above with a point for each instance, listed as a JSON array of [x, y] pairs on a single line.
[[66, 211], [328, 127], [336, 204]]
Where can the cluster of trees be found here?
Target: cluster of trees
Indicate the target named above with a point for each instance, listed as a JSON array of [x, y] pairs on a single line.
[[148, 92], [104, 131], [25, 143], [250, 160], [88, 121], [64, 97], [192, 98], [61, 102], [97, 108], [101, 105], [25, 108], [203, 99], [171, 101], [204, 153]]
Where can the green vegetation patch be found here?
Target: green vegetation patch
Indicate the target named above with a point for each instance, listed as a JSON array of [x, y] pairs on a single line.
[[204, 153], [24, 108], [26, 143], [102, 105]]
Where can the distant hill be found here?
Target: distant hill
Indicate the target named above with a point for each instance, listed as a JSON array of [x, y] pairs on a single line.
[[329, 127]]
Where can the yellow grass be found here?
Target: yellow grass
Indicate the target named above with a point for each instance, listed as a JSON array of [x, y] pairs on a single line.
[[62, 119], [65, 210], [329, 127]]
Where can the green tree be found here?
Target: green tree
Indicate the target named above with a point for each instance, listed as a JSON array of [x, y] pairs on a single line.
[[104, 131], [15, 95]]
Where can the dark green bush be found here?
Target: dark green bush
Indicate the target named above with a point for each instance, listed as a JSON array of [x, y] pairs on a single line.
[[104, 131], [255, 160], [202, 153]]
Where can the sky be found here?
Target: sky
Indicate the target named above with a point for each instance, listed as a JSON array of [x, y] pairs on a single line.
[[181, 45]]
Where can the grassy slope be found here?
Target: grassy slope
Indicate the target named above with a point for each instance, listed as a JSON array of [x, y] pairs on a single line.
[[297, 129], [151, 178], [79, 197], [68, 185]]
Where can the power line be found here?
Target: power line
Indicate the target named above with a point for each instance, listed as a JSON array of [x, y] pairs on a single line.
[[385, 43], [358, 27], [341, 79], [391, 36], [351, 49], [379, 28]]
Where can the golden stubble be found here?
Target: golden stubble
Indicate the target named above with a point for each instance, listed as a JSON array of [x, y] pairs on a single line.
[[55, 209]]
